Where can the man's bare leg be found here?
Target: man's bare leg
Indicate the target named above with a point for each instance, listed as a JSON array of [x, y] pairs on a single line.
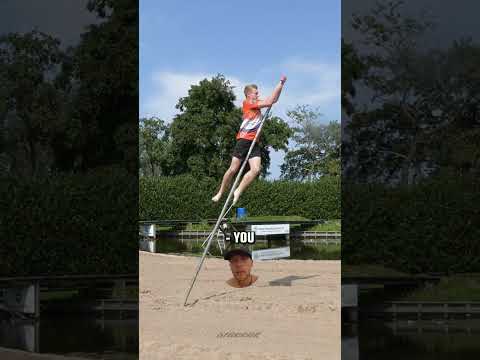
[[232, 170], [255, 164]]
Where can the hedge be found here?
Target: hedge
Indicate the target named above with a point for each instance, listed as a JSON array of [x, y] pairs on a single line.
[[69, 224], [188, 198], [431, 227]]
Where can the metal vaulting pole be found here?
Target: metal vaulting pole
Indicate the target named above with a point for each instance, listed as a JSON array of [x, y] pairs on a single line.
[[226, 209]]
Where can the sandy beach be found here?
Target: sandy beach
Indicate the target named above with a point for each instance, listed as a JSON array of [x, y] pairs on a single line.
[[291, 312]]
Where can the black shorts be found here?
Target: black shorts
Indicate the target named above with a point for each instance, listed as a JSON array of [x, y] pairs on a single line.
[[241, 149]]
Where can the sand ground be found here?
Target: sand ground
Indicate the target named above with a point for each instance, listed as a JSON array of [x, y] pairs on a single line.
[[291, 312]]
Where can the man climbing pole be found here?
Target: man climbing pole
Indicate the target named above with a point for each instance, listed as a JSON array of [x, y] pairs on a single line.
[[252, 117], [249, 131]]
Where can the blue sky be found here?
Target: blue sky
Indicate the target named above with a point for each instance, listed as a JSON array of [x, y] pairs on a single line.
[[183, 42]]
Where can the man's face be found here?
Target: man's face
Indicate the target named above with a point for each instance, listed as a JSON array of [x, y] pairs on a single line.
[[253, 94], [241, 266]]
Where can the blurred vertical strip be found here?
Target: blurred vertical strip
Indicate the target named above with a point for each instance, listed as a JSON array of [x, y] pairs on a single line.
[[410, 168], [69, 161]]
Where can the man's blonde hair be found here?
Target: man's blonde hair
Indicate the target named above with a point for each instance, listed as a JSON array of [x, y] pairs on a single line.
[[249, 88]]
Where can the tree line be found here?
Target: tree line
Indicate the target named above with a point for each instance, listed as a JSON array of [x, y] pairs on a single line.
[[411, 112], [200, 138], [64, 109]]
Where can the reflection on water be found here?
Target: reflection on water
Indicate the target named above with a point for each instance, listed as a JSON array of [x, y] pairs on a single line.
[[412, 340], [87, 337]]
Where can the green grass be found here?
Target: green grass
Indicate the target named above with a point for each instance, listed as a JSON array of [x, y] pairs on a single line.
[[124, 293], [318, 252], [271, 218], [164, 228], [130, 292], [328, 225], [199, 227], [370, 271], [203, 226], [170, 245], [58, 295], [464, 287]]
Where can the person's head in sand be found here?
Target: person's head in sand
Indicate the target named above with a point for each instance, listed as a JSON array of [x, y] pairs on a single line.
[[241, 265]]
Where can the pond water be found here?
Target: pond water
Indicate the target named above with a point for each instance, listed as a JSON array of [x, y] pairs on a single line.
[[80, 336], [412, 340]]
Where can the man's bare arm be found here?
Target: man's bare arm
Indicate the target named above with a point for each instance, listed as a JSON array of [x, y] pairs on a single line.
[[272, 99]]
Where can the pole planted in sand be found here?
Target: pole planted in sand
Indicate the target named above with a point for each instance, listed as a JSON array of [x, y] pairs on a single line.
[[226, 209]]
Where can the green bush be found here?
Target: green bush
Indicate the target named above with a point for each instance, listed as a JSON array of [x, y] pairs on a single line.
[[196, 248], [69, 224], [168, 245], [317, 252], [188, 198], [431, 227], [214, 251]]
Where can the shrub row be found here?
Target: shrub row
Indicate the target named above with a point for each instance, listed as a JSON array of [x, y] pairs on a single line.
[[69, 224], [188, 198], [431, 227]]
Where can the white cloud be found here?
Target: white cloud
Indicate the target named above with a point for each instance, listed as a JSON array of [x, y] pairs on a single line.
[[168, 87], [309, 83]]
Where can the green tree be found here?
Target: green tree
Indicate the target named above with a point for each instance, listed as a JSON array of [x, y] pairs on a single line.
[[153, 142], [31, 100], [425, 103], [317, 150], [105, 66], [67, 110], [203, 134], [352, 70]]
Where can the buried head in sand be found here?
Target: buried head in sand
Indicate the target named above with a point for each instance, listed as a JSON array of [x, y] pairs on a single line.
[[294, 307], [241, 265]]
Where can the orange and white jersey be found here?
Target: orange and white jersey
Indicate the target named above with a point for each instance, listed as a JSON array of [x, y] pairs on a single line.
[[251, 121]]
